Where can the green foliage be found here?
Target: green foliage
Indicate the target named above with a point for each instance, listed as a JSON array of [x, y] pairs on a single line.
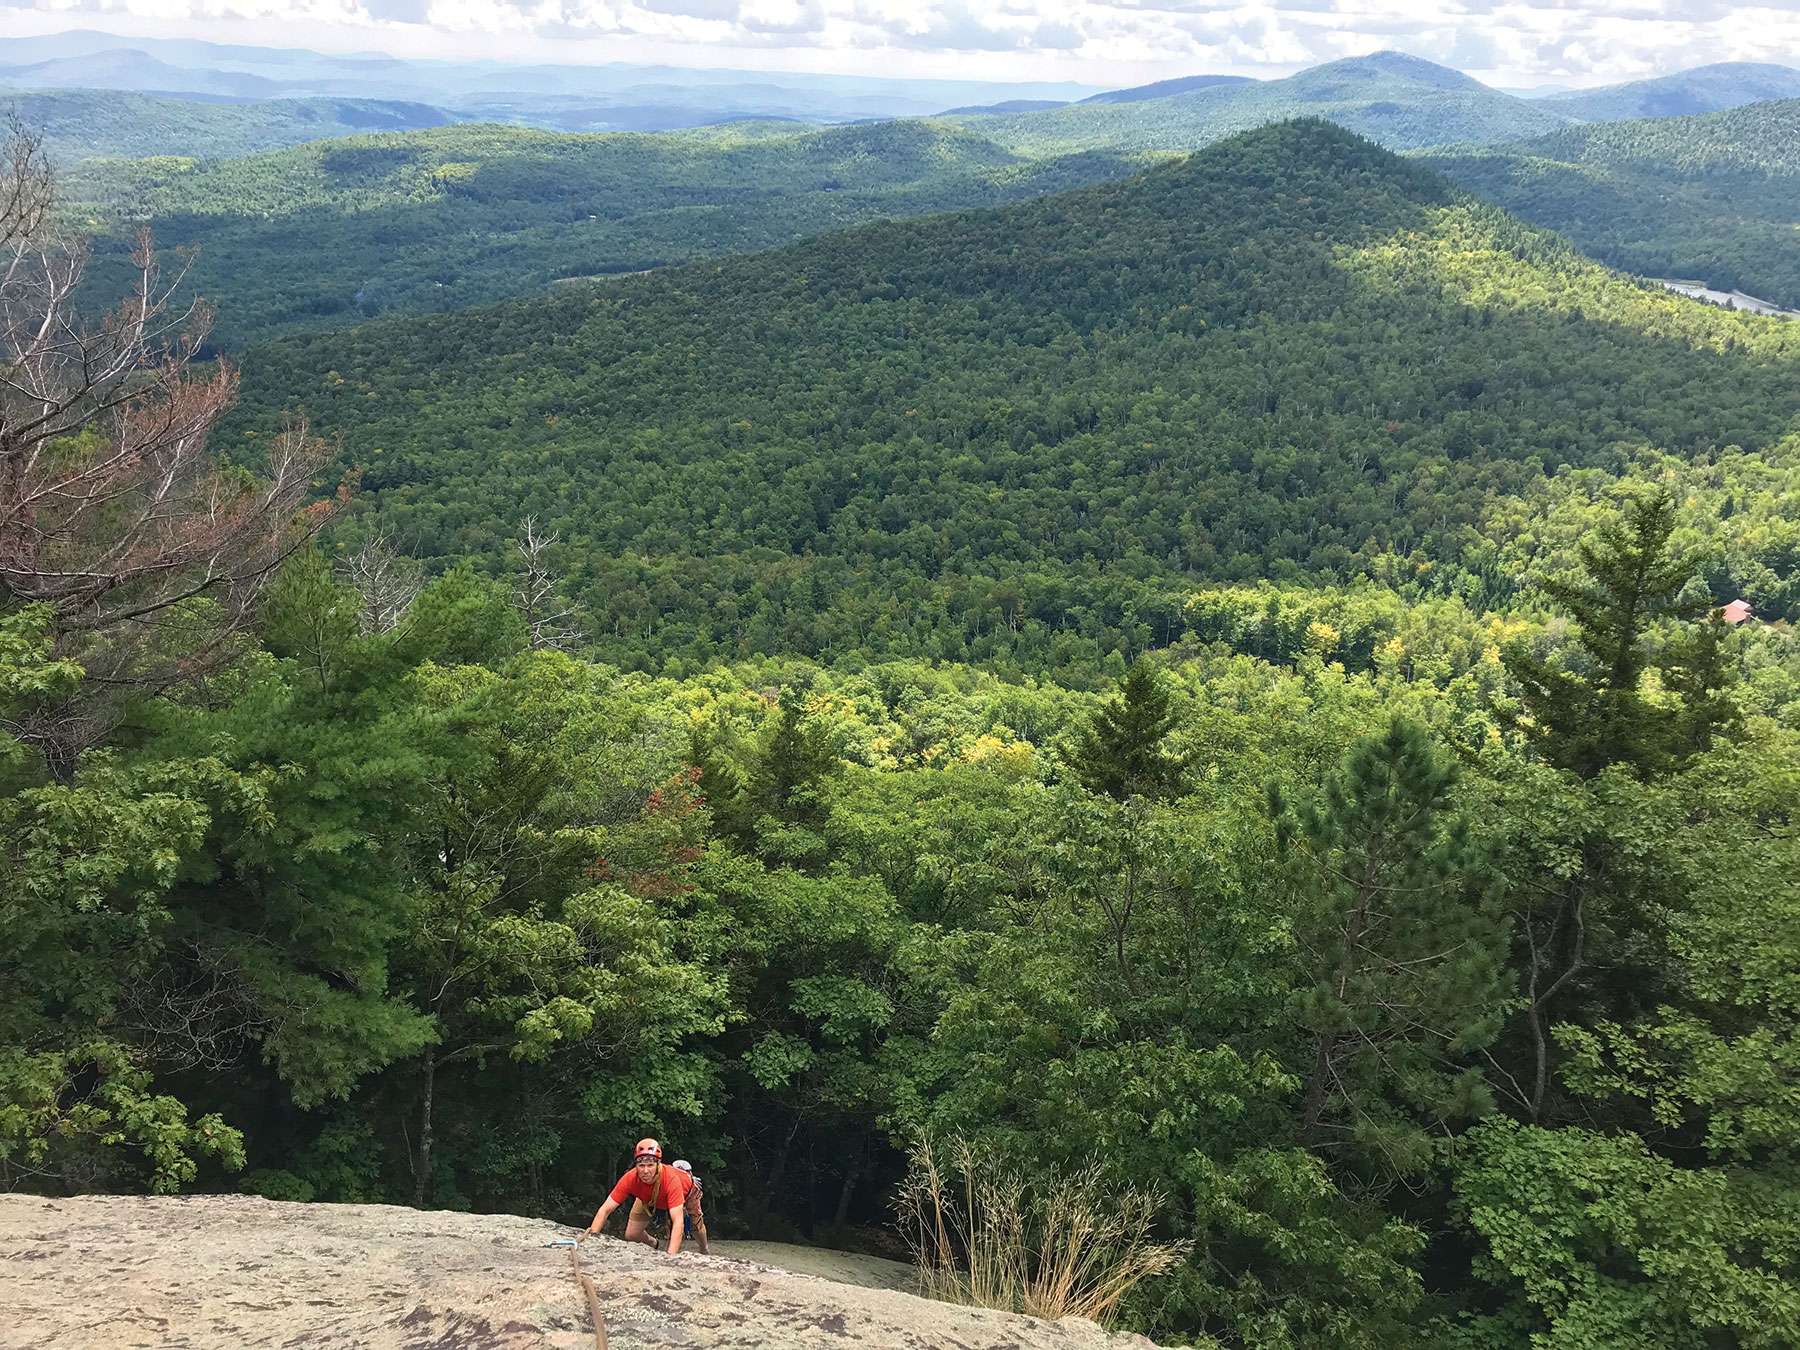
[[903, 440], [1484, 1035], [1407, 954], [178, 135], [1121, 752], [1707, 197], [329, 233], [1585, 720], [88, 875], [1612, 1245]]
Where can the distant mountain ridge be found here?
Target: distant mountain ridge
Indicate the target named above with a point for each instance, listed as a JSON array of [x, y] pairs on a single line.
[[1166, 88], [642, 97], [1400, 101], [84, 124], [1704, 89]]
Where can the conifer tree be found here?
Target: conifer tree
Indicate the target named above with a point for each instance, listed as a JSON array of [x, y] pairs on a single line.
[[1121, 752], [1408, 949], [795, 758], [1585, 721]]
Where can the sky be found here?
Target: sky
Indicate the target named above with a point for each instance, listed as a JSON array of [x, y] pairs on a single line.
[[1511, 43]]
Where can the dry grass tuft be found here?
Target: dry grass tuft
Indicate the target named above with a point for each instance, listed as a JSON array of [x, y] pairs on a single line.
[[1071, 1247]]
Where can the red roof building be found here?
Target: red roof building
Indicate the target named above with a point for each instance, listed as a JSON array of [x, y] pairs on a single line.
[[1736, 612]]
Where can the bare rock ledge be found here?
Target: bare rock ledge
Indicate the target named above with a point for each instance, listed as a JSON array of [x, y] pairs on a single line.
[[224, 1272]]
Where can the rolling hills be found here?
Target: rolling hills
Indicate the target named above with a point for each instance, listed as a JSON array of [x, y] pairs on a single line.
[[1715, 197], [610, 95], [330, 233], [1293, 355]]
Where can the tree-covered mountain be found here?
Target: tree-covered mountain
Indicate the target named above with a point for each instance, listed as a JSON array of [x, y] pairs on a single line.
[[82, 124], [330, 233], [1400, 101], [1164, 88], [1022, 434], [1709, 197], [1703, 89], [132, 70]]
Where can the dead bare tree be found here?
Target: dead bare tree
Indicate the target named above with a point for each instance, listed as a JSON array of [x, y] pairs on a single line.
[[547, 617], [112, 511], [387, 580]]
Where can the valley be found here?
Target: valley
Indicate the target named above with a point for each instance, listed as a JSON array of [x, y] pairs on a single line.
[[1099, 716]]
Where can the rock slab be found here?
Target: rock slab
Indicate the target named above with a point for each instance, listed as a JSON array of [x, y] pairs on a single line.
[[226, 1272]]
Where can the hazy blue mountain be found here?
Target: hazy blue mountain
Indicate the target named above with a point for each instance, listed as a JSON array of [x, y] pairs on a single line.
[[131, 70], [610, 96], [1700, 90], [1164, 88], [83, 124], [1011, 105], [1400, 101]]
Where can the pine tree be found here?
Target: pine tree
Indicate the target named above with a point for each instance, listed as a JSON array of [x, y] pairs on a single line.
[[1408, 949], [1699, 671], [1121, 752], [1586, 721], [795, 758]]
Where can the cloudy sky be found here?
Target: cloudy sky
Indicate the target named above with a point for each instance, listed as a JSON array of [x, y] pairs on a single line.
[[1110, 42]]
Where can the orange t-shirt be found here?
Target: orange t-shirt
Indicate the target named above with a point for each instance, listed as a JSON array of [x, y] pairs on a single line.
[[674, 1185]]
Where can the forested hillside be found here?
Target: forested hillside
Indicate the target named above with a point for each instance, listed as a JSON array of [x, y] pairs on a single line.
[[1018, 435], [1708, 197], [1193, 716], [1704, 89], [324, 235], [1399, 101], [82, 124]]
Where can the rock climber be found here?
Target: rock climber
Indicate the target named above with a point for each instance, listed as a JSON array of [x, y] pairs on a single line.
[[695, 1215], [650, 1187]]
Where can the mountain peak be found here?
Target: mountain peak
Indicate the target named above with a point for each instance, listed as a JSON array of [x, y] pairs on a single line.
[[1389, 65]]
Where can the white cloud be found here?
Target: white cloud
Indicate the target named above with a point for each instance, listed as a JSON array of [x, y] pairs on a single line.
[[1093, 41]]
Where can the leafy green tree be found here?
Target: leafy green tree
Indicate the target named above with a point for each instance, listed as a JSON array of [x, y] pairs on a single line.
[[1042, 1055], [783, 800], [1123, 751], [89, 884], [1666, 1217], [536, 935]]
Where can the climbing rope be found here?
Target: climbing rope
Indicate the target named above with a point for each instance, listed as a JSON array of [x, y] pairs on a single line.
[[588, 1291]]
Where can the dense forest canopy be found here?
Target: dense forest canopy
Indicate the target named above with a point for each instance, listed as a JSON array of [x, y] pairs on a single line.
[[1216, 681], [327, 234], [1021, 434], [324, 235], [1684, 197]]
